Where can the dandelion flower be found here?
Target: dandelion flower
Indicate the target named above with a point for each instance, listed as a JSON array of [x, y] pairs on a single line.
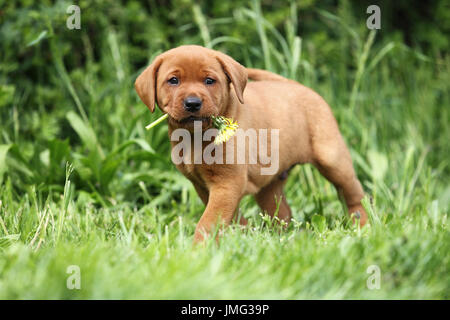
[[226, 126]]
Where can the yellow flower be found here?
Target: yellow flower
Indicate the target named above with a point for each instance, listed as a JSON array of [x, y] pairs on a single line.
[[227, 128]]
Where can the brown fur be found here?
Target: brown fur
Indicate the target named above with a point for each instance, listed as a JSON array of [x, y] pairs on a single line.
[[308, 130]]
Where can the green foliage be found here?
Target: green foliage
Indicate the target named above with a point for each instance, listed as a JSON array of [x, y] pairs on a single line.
[[126, 216]]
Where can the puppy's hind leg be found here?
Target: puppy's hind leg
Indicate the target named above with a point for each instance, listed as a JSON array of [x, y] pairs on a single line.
[[334, 163], [239, 218], [269, 196]]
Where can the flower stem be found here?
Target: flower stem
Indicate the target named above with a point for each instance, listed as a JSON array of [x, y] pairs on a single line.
[[157, 121]]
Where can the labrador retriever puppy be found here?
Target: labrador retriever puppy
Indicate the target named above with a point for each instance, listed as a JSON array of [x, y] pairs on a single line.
[[192, 83]]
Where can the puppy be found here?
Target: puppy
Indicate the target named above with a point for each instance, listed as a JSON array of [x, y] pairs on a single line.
[[192, 83]]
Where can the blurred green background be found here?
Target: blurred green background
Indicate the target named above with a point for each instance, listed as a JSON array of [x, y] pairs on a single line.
[[67, 96]]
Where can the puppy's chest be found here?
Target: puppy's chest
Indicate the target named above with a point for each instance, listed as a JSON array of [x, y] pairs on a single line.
[[187, 166], [187, 169], [189, 162], [191, 172]]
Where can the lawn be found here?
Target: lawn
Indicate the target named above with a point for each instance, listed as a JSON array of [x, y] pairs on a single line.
[[91, 206]]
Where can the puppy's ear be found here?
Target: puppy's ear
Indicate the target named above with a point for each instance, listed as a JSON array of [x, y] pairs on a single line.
[[145, 84], [236, 72]]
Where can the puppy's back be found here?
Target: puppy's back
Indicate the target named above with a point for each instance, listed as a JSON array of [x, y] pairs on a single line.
[[261, 75]]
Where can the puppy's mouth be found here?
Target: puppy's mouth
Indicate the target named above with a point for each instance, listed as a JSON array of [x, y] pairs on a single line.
[[193, 118], [188, 122]]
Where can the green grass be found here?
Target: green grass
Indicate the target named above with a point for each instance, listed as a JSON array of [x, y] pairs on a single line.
[[83, 183]]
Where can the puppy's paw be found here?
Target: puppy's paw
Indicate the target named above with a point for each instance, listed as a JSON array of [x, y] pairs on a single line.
[[199, 238], [357, 213]]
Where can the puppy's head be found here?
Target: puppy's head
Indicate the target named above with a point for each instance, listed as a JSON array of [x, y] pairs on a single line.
[[191, 83]]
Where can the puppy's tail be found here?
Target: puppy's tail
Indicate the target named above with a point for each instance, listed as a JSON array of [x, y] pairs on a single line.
[[260, 75]]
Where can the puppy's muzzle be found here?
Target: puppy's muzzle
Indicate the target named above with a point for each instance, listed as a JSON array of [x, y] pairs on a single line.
[[192, 104]]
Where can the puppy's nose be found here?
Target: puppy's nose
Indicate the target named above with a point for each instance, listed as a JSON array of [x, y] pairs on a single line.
[[192, 104]]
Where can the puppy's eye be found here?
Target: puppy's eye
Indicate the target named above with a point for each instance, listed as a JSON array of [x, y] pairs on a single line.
[[173, 81], [209, 81]]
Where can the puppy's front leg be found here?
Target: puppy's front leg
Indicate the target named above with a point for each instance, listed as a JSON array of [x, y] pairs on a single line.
[[223, 201]]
